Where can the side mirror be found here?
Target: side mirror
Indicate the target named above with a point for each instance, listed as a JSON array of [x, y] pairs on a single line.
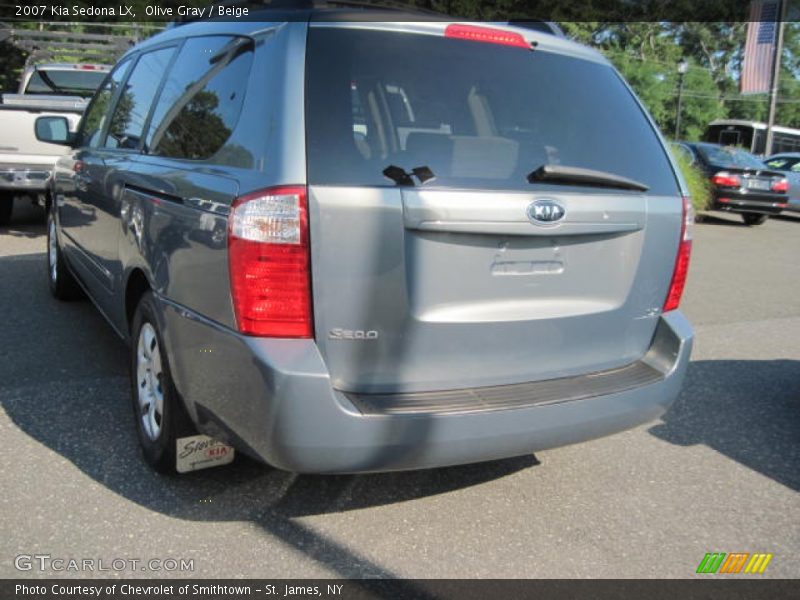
[[53, 130]]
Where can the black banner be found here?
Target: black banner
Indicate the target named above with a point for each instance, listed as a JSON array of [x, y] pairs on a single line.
[[161, 11], [397, 589]]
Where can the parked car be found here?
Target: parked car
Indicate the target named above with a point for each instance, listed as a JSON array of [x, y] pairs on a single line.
[[348, 245], [789, 164], [740, 182], [25, 161]]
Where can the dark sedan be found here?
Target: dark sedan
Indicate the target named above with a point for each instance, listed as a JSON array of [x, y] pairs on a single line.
[[740, 182]]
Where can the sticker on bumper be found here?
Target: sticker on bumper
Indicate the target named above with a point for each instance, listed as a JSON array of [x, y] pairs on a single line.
[[201, 452]]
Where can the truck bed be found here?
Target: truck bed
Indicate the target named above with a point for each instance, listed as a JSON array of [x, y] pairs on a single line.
[[34, 102]]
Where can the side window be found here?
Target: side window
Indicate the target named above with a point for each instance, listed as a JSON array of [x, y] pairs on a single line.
[[201, 99], [127, 123], [97, 113]]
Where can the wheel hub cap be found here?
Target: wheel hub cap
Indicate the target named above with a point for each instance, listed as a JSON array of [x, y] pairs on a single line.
[[52, 250], [149, 376]]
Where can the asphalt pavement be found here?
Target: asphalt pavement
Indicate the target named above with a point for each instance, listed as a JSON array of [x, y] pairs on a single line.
[[719, 473]]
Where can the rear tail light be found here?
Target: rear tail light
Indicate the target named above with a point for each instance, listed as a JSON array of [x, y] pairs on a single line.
[[681, 269], [268, 259], [487, 35], [780, 185], [725, 179]]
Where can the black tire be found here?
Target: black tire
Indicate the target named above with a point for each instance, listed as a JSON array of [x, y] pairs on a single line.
[[158, 447], [62, 282], [6, 208], [754, 218]]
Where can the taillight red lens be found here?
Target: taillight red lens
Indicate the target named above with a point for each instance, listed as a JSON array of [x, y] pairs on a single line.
[[268, 259], [681, 269], [781, 185], [725, 179], [487, 35]]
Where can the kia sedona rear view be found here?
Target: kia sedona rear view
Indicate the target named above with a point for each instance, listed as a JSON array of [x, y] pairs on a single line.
[[396, 245]]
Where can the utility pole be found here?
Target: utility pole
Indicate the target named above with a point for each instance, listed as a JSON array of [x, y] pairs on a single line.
[[776, 75], [683, 66]]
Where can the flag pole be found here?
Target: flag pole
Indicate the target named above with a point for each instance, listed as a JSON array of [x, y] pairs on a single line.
[[775, 81]]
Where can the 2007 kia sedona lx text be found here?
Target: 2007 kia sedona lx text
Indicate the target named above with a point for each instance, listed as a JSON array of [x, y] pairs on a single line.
[[348, 245]]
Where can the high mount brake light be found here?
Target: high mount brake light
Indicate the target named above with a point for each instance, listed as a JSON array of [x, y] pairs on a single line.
[[269, 263], [681, 269], [487, 35]]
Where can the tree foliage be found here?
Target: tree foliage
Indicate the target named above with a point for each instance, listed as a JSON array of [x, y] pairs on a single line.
[[646, 53]]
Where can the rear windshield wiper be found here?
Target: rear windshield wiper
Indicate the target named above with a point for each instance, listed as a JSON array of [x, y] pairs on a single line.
[[579, 176], [400, 177]]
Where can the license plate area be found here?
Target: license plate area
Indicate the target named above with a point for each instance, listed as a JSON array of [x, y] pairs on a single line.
[[757, 184], [201, 452]]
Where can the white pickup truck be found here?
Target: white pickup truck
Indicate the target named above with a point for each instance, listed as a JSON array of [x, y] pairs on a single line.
[[58, 89]]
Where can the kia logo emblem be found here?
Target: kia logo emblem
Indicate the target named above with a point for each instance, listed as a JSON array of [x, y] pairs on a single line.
[[546, 212]]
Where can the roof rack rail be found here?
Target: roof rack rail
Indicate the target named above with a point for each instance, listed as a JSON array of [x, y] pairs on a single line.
[[389, 5], [289, 5]]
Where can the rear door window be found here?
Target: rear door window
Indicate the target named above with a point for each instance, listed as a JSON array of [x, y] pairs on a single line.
[[136, 99], [202, 98], [479, 115]]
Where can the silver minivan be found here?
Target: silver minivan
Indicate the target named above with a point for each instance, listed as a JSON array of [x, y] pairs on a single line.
[[342, 244]]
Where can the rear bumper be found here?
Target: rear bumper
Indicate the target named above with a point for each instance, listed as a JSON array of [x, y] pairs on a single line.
[[733, 201], [273, 400], [24, 178]]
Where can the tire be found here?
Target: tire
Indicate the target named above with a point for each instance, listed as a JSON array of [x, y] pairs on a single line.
[[754, 218], [6, 208], [158, 411], [63, 285]]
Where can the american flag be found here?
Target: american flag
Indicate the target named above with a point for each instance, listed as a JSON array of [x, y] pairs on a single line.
[[759, 49]]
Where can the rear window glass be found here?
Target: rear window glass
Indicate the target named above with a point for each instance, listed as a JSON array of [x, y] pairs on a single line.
[[75, 82], [478, 115], [729, 157]]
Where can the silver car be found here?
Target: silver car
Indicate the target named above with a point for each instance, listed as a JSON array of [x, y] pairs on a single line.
[[789, 163], [347, 245]]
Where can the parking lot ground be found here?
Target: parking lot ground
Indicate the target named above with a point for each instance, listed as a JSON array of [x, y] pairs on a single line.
[[720, 472]]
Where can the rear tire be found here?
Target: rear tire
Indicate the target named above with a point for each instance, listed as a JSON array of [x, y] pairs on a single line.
[[160, 416], [63, 285], [6, 208], [754, 218]]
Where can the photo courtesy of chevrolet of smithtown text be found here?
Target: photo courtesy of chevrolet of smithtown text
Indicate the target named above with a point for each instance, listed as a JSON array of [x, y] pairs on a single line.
[[391, 299]]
